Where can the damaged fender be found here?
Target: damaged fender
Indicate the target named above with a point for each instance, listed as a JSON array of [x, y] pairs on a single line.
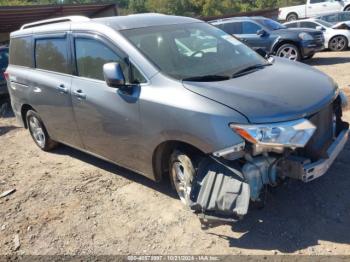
[[219, 192]]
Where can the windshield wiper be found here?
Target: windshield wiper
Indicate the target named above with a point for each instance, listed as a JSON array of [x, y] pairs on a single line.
[[249, 69], [207, 78]]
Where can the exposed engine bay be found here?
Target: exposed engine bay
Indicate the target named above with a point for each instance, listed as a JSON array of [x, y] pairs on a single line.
[[225, 185]]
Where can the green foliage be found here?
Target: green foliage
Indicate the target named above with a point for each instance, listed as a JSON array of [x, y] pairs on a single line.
[[178, 7]]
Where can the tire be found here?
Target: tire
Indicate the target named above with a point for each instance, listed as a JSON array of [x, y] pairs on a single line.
[[347, 8], [292, 17], [338, 43], [289, 51], [182, 172], [38, 132]]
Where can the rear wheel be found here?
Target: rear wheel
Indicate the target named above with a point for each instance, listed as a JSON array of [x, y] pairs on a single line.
[[292, 17], [182, 173], [338, 43], [38, 132], [289, 51], [347, 8]]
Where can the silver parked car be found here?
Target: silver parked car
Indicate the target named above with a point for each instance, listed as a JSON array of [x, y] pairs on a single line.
[[170, 96]]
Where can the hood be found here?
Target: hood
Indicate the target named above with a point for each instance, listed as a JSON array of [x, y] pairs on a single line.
[[284, 91]]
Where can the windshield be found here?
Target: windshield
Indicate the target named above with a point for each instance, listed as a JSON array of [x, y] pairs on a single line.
[[271, 24], [186, 51], [324, 23]]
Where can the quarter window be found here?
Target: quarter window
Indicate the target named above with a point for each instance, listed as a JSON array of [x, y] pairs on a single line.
[[52, 54], [21, 51], [250, 28]]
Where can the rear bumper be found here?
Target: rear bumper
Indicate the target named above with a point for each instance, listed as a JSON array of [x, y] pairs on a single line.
[[315, 170]]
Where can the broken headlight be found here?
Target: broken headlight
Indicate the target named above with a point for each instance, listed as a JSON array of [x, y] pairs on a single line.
[[291, 134]]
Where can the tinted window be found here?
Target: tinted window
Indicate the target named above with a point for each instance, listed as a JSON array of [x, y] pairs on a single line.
[[331, 18], [21, 51], [250, 28], [51, 54], [345, 16], [91, 55], [292, 25], [233, 28], [308, 25], [317, 1]]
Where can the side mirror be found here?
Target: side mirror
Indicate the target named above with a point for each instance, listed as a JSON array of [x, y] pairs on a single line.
[[320, 28], [262, 52], [113, 75], [261, 32]]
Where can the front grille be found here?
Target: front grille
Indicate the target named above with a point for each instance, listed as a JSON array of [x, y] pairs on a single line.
[[319, 38], [317, 147]]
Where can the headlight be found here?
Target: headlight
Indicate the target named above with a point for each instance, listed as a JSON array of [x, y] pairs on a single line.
[[287, 134], [306, 37]]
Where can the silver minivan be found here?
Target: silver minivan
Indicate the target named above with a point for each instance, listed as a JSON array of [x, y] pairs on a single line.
[[174, 97]]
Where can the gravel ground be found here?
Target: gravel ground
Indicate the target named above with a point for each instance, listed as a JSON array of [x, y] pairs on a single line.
[[67, 202]]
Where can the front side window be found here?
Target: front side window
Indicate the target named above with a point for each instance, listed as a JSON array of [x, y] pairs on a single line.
[[92, 54], [250, 28], [21, 51], [185, 51], [52, 54]]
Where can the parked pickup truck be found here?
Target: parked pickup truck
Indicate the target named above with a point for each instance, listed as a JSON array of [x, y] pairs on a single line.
[[312, 8]]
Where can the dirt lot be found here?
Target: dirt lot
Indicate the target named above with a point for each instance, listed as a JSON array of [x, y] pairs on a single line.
[[67, 202]]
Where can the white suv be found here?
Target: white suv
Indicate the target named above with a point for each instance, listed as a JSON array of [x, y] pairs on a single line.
[[336, 38]]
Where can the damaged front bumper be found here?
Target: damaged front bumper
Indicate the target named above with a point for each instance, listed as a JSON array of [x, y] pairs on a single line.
[[315, 170], [229, 180]]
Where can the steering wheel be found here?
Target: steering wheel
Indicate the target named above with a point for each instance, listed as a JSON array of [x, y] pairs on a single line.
[[198, 52]]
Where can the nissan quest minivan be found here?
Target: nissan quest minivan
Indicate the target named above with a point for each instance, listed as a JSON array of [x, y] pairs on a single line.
[[174, 97]]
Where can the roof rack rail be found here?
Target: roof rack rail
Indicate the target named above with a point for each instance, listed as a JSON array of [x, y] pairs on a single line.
[[76, 18]]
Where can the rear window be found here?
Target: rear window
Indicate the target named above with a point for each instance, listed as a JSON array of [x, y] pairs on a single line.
[[21, 51], [52, 54]]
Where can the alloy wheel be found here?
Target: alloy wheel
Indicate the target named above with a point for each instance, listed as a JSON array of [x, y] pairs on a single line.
[[37, 131], [182, 179], [338, 43], [289, 52]]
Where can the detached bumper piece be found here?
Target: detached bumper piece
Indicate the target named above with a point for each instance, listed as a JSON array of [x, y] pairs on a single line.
[[219, 194]]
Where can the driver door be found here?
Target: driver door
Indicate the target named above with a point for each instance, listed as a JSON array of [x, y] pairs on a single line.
[[108, 118], [251, 37]]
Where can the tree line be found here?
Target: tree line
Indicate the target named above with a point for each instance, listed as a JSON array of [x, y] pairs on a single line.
[[177, 7]]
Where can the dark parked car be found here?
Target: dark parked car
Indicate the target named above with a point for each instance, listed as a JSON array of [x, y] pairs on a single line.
[[174, 97], [273, 37], [337, 17], [4, 52]]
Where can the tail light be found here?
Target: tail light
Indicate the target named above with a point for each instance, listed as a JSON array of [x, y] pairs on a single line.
[[6, 75]]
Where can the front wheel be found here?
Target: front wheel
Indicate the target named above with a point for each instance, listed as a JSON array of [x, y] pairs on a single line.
[[338, 43], [182, 173], [38, 132], [289, 51]]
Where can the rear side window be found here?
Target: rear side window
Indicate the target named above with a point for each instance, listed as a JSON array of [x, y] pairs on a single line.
[[250, 28], [308, 25], [21, 51], [292, 25], [52, 54], [233, 28]]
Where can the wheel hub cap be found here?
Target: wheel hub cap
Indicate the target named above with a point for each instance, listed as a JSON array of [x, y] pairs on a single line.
[[289, 53], [37, 131], [182, 181]]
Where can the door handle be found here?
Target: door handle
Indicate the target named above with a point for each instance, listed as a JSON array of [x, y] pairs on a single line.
[[79, 94], [62, 89]]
